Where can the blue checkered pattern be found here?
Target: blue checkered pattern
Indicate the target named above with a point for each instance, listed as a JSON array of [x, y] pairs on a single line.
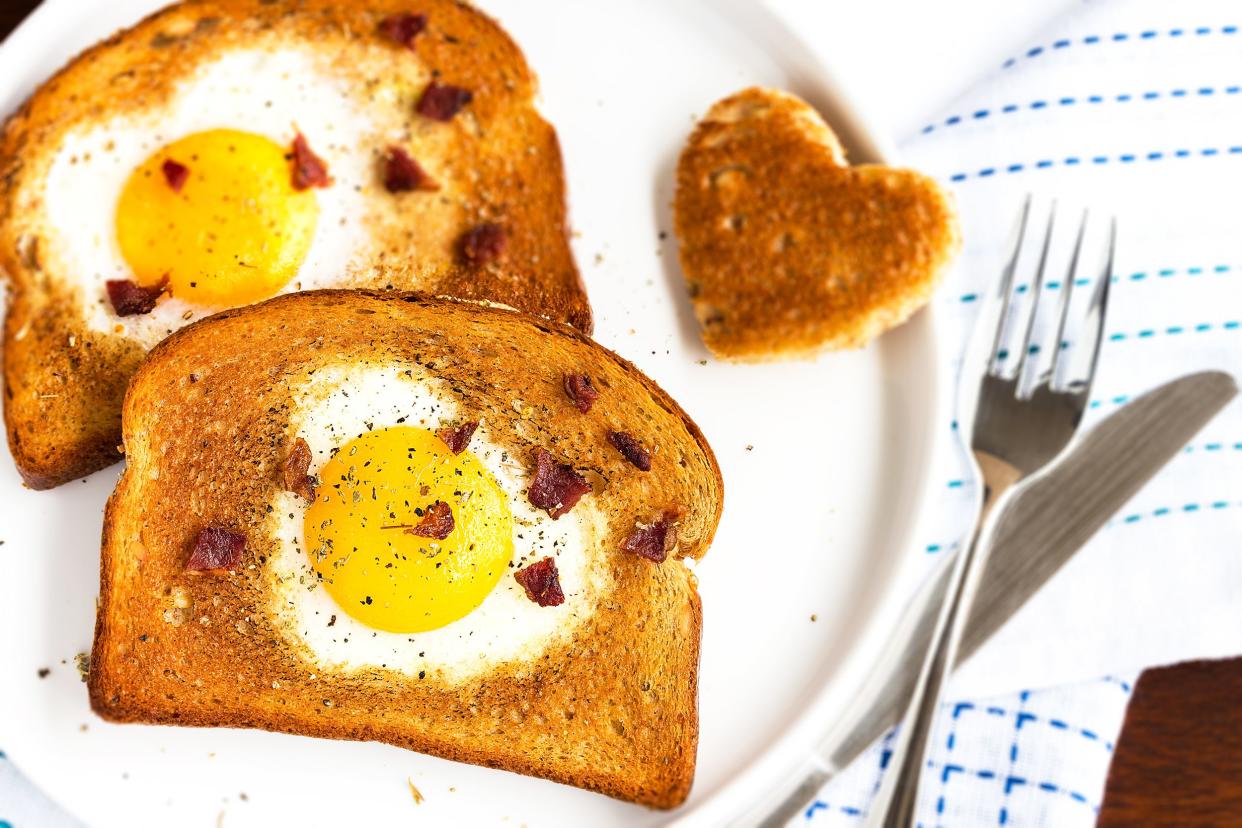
[[1029, 758]]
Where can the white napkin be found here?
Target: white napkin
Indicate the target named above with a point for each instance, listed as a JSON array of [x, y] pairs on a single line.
[[1146, 124], [1133, 109]]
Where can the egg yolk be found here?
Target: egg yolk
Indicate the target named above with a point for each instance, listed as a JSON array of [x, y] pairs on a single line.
[[228, 230], [361, 530]]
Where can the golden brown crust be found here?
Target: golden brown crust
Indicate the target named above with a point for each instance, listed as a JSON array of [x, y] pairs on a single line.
[[614, 709], [497, 162], [785, 249]]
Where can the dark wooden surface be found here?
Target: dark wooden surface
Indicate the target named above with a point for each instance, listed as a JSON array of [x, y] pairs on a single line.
[[13, 12], [1179, 758]]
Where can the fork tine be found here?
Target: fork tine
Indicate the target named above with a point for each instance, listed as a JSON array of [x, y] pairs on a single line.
[[1059, 345], [1037, 291], [1006, 287], [1098, 309], [1093, 325]]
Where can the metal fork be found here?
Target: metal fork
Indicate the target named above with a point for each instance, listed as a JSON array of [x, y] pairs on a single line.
[[1016, 428]]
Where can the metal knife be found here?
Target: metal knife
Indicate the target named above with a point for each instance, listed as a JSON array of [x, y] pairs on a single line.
[[1108, 466]]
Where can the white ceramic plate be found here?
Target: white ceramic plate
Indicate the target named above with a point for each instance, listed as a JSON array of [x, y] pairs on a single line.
[[824, 464]]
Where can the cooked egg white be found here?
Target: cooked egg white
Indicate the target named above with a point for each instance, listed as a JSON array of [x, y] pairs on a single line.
[[334, 407], [270, 95]]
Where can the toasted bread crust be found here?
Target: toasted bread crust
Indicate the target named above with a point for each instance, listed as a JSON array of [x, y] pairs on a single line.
[[786, 250], [64, 382], [614, 710]]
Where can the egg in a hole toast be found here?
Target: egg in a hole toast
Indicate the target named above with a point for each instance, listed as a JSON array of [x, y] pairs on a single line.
[[789, 251], [454, 528], [221, 152]]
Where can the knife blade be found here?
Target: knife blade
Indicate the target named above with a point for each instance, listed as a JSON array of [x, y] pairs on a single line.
[[1109, 464]]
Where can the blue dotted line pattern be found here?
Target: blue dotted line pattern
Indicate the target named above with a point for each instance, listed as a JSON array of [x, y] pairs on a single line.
[[1097, 160], [1212, 447], [1120, 37], [1135, 517], [1069, 100], [1185, 508], [1124, 685], [1120, 399], [1146, 333], [1011, 782], [1174, 330], [949, 743], [992, 710], [820, 805], [1140, 276]]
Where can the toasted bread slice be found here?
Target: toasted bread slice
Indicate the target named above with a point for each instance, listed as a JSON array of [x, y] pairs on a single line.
[[610, 705], [68, 355], [786, 250]]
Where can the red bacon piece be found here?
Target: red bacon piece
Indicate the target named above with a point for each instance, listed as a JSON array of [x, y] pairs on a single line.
[[216, 549], [542, 583], [309, 170], [175, 173], [653, 542], [555, 486], [129, 298], [402, 174], [579, 389], [631, 449], [441, 101], [458, 438], [294, 471], [403, 28], [437, 522], [484, 243]]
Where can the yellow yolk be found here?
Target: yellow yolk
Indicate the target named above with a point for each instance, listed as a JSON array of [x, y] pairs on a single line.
[[235, 233], [370, 493]]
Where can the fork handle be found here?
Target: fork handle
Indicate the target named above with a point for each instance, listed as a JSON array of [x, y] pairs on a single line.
[[894, 805]]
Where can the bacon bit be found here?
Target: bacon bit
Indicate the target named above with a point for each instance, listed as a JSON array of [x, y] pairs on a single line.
[[483, 244], [309, 170], [653, 542], [403, 28], [403, 174], [458, 438], [437, 523], [555, 487], [176, 174], [581, 391], [129, 298], [441, 101], [216, 549], [542, 583], [631, 449], [296, 464]]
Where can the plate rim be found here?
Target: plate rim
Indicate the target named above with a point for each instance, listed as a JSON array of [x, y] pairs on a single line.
[[792, 747]]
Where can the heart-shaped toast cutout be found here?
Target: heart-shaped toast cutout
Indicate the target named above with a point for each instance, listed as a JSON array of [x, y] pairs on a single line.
[[787, 250]]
